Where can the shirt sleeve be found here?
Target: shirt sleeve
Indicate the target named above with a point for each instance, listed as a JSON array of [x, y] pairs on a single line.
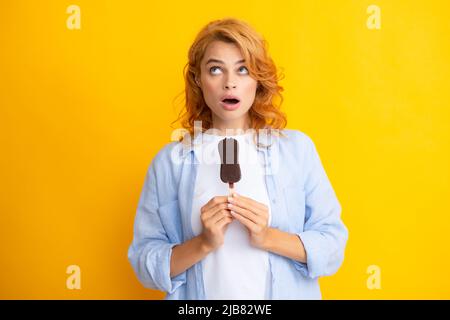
[[151, 249], [324, 235]]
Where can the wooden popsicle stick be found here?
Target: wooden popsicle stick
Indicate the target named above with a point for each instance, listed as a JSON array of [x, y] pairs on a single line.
[[231, 188]]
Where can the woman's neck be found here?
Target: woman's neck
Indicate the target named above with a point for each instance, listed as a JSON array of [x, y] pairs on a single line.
[[230, 128]]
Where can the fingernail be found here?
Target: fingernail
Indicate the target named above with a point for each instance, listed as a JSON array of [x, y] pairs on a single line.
[[229, 205], [230, 199], [232, 212]]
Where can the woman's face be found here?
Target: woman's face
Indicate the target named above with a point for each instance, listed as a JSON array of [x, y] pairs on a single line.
[[224, 76]]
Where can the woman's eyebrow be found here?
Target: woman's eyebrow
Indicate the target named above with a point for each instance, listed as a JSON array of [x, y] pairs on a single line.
[[220, 61]]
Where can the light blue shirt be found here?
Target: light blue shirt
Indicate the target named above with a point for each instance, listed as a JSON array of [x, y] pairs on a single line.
[[302, 201]]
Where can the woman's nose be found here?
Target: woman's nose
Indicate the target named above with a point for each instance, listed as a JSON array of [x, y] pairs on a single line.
[[230, 85], [230, 82]]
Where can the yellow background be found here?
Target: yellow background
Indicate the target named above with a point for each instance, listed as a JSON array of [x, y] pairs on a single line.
[[83, 112]]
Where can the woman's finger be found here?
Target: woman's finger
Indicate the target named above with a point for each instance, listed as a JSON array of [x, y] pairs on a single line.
[[245, 221], [224, 221], [219, 215], [249, 204], [214, 202], [212, 211], [247, 214]]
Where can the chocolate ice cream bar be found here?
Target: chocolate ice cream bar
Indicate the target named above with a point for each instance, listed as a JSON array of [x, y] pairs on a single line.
[[230, 171]]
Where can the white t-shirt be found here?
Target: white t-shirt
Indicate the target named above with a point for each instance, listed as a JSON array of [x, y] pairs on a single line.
[[236, 270]]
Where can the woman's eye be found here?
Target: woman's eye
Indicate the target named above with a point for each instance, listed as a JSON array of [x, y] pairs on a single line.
[[213, 70], [245, 70], [217, 70]]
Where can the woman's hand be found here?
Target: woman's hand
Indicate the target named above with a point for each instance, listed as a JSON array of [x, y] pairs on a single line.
[[215, 217], [252, 214]]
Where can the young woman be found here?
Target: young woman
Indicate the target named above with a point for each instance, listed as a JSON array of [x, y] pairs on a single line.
[[278, 229]]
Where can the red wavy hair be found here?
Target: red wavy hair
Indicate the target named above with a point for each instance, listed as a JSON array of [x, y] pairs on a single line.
[[265, 111]]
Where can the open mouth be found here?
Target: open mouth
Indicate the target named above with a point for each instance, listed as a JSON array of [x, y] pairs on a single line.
[[230, 101]]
